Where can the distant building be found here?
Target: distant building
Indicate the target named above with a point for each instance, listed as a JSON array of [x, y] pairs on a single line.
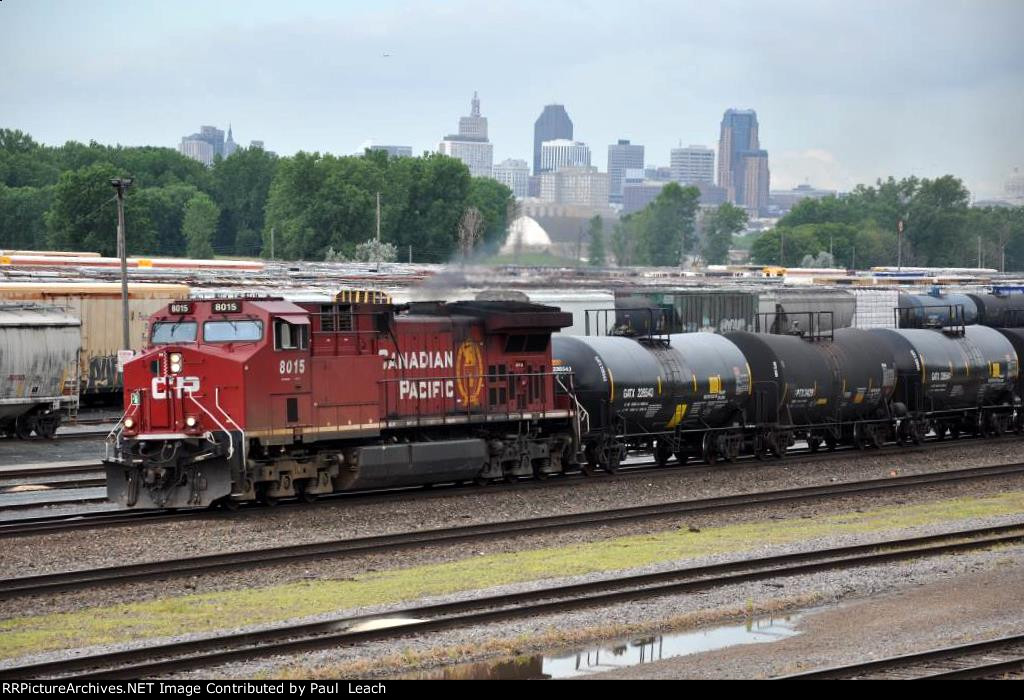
[[514, 174], [214, 138], [622, 156], [229, 145], [394, 151], [562, 153], [637, 194], [693, 164], [784, 200], [470, 145], [1014, 187], [581, 186], [196, 149], [742, 165], [553, 124], [661, 173]]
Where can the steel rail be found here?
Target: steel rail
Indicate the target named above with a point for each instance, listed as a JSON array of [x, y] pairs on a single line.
[[972, 660], [161, 659], [192, 566]]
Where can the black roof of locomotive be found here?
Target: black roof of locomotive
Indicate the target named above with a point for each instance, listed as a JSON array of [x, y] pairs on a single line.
[[499, 315]]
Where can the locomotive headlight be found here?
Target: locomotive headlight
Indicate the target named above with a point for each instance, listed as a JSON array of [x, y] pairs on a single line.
[[190, 421], [129, 423], [175, 358]]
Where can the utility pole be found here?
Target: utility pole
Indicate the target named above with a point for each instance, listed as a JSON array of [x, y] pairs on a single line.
[[979, 252], [272, 231], [120, 184], [899, 245], [782, 247], [378, 232]]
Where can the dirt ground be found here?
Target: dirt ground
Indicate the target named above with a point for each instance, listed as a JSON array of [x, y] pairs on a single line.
[[973, 607]]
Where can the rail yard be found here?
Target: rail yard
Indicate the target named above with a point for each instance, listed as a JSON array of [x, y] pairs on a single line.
[[317, 470]]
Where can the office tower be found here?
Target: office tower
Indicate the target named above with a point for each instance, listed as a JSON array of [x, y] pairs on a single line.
[[621, 157], [553, 124]]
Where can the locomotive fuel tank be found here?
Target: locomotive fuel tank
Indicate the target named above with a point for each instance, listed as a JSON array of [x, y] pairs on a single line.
[[697, 379], [944, 371]]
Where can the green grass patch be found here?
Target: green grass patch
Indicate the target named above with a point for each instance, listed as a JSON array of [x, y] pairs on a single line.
[[227, 609]]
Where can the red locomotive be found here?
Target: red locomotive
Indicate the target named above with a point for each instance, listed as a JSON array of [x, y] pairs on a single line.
[[256, 399]]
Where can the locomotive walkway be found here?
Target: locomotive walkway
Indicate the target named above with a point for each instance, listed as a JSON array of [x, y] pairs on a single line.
[[162, 659], [108, 576]]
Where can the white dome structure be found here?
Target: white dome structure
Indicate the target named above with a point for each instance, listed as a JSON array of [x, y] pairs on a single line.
[[526, 234]]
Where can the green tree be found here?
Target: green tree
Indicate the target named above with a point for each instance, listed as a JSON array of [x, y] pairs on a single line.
[[492, 200], [719, 228], [667, 227], [595, 233], [623, 240], [241, 185], [199, 226], [83, 215], [165, 207], [22, 211]]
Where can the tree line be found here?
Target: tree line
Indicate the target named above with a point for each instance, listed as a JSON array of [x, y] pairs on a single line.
[[306, 206], [940, 228]]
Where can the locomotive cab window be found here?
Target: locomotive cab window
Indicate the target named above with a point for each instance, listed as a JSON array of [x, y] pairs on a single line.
[[290, 336], [232, 331], [173, 332]]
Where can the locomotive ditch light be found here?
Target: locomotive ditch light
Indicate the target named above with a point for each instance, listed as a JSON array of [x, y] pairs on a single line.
[[175, 358], [129, 423], [190, 421]]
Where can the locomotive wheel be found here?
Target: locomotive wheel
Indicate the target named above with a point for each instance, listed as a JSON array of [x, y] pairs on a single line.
[[265, 498], [304, 495], [228, 504]]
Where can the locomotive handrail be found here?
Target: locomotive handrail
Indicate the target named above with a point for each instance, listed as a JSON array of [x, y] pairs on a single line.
[[468, 410], [231, 443]]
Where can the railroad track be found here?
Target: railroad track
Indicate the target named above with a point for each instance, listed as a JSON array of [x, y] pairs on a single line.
[[117, 575], [994, 658], [153, 660], [646, 469]]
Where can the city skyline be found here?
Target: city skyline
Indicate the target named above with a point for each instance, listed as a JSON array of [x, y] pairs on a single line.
[[851, 93]]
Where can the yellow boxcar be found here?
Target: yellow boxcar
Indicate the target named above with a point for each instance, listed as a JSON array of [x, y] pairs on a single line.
[[98, 305]]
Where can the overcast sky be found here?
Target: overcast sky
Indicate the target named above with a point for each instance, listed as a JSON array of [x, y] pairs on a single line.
[[845, 92]]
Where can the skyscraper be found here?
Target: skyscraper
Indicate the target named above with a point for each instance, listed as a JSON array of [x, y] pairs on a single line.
[[230, 146], [742, 165], [552, 124], [622, 156], [470, 145], [563, 153], [693, 164], [514, 174]]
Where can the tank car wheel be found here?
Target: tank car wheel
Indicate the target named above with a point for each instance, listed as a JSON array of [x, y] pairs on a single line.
[[682, 457], [662, 453], [813, 444], [708, 451], [23, 427], [830, 442]]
